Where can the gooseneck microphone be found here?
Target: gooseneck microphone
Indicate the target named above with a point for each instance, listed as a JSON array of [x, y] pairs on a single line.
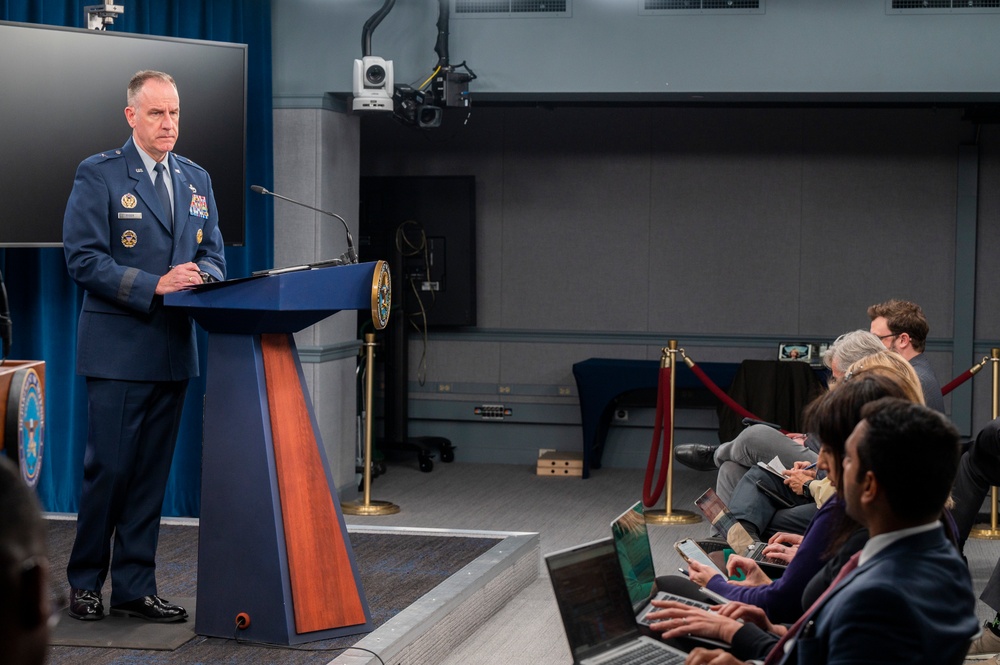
[[351, 255]]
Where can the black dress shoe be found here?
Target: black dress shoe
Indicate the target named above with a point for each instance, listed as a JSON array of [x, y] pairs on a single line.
[[696, 455], [86, 605], [151, 608]]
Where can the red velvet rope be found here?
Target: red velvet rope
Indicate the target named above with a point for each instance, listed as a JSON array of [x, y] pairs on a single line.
[[718, 392], [958, 380], [661, 423]]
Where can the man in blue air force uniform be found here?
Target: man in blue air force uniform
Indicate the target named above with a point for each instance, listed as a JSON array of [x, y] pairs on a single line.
[[141, 222]]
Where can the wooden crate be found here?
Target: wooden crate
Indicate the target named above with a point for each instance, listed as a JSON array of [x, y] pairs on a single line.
[[559, 463]]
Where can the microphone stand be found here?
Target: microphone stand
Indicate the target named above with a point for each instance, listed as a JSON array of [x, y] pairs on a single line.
[[348, 257]]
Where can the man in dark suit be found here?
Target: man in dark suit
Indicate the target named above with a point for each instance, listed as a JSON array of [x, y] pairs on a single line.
[[141, 222], [907, 596]]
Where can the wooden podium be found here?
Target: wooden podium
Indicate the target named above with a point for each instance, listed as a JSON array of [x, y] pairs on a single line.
[[275, 562]]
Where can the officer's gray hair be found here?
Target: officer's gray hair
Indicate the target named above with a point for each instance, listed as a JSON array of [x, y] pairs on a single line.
[[139, 80]]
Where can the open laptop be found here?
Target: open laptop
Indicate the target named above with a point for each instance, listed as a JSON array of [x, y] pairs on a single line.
[[719, 515], [596, 610], [635, 556]]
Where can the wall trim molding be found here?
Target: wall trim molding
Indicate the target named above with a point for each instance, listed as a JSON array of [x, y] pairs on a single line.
[[328, 352], [619, 338]]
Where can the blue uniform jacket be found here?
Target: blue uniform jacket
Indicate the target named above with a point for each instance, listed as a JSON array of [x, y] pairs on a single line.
[[118, 243]]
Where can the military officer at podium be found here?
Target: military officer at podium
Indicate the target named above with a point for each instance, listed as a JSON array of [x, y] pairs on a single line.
[[141, 222]]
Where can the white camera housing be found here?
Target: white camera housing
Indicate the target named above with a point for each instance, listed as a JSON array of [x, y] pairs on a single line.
[[373, 84]]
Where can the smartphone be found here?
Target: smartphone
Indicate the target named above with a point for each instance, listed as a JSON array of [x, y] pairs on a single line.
[[691, 551]]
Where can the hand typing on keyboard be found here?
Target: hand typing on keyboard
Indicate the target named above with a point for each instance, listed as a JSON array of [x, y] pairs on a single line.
[[782, 546], [674, 619]]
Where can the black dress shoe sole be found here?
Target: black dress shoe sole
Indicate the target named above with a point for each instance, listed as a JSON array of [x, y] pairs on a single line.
[[146, 617], [85, 617]]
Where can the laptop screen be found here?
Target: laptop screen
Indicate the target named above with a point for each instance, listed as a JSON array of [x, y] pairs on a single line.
[[634, 553], [592, 597]]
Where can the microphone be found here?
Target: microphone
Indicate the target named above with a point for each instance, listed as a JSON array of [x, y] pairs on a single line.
[[350, 255], [6, 326]]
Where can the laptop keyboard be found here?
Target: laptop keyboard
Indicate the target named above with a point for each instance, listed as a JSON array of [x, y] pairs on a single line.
[[645, 653], [757, 554], [663, 595]]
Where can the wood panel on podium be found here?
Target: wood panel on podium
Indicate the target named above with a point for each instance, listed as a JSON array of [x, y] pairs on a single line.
[[274, 554]]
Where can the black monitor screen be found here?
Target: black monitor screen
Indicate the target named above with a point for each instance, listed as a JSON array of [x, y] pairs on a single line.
[[63, 100]]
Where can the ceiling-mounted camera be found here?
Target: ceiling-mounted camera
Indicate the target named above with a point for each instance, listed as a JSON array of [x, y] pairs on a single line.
[[373, 84], [415, 107]]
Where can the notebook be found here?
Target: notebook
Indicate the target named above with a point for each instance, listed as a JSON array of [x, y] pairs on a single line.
[[596, 609], [719, 515]]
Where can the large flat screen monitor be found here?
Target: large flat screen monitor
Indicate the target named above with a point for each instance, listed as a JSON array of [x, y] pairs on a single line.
[[63, 99]]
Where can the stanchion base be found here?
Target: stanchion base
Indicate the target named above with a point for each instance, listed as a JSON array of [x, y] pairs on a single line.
[[984, 532], [673, 517], [371, 508]]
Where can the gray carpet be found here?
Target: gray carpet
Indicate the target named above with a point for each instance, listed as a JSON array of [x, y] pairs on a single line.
[[395, 570]]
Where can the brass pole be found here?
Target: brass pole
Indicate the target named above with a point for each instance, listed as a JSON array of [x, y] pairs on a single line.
[[369, 507], [668, 515], [992, 532]]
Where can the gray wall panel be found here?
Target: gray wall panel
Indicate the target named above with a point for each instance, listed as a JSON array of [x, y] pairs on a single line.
[[576, 220], [725, 213]]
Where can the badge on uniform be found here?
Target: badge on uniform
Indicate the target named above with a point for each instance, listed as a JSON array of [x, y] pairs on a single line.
[[199, 206], [129, 239], [199, 236], [129, 200]]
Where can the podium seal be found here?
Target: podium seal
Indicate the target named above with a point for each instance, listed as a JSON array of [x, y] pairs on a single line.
[[26, 423], [381, 295]]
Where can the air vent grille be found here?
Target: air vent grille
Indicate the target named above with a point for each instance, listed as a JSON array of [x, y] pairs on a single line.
[[942, 6], [521, 8], [701, 6]]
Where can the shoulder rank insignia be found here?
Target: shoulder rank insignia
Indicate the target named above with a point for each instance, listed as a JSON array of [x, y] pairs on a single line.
[[129, 239], [129, 200]]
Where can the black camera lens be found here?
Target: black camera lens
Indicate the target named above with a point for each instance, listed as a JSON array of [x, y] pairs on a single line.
[[375, 74]]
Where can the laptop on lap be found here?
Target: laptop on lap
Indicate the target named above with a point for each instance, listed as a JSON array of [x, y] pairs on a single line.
[[596, 609]]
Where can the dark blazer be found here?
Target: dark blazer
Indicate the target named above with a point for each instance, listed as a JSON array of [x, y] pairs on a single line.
[[911, 603], [118, 243]]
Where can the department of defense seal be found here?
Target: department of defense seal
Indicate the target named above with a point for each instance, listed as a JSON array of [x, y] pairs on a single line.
[[26, 423], [381, 295], [129, 200]]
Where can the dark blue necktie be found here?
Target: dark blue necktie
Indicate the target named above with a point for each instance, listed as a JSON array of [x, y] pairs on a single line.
[[161, 191]]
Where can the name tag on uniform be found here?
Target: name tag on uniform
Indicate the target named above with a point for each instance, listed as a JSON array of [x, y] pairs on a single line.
[[130, 215]]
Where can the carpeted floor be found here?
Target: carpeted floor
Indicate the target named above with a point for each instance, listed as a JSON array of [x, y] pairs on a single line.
[[396, 570]]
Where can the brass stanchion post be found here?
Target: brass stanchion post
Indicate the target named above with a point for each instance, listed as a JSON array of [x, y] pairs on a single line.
[[992, 532], [669, 515], [369, 507]]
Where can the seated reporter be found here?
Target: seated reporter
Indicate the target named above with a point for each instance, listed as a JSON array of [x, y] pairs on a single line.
[[761, 443], [906, 597], [831, 418], [761, 514]]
